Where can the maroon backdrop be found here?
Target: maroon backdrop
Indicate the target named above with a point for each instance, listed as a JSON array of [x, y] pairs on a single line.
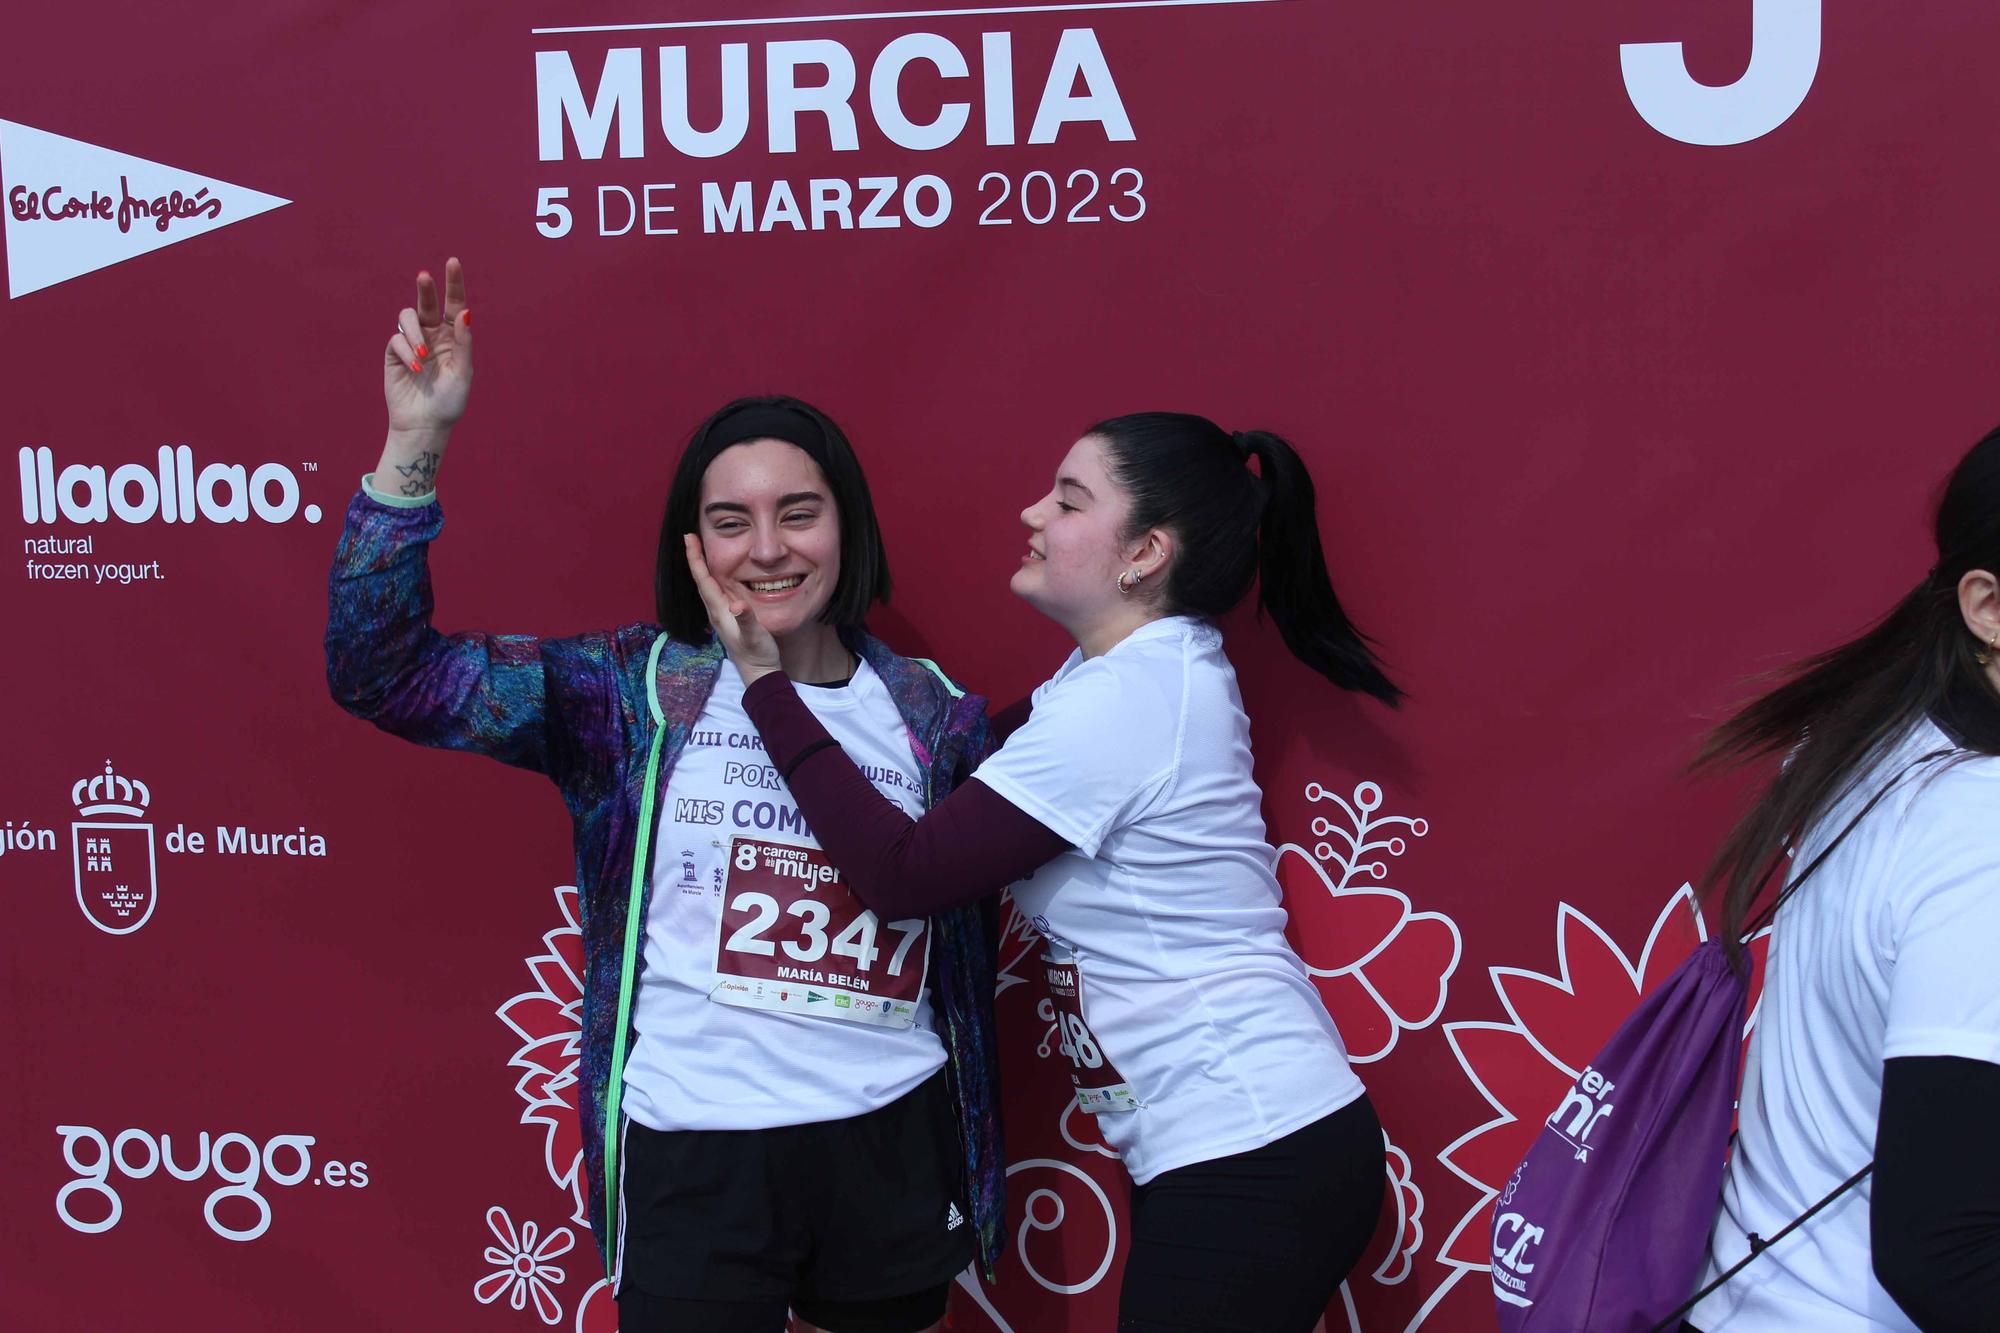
[[1624, 374]]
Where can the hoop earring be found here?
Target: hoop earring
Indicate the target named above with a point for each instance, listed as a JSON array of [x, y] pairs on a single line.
[[1984, 656], [1125, 589]]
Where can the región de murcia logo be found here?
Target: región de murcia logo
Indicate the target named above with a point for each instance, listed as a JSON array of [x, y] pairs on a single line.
[[116, 881], [115, 856]]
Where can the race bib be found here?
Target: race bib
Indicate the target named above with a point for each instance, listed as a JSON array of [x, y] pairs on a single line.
[[792, 937], [1100, 1088]]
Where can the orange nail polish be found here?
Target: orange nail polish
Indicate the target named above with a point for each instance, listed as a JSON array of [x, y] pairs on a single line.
[[423, 350], [465, 317], [416, 368]]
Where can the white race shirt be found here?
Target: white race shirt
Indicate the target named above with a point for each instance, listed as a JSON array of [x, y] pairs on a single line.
[[1889, 950], [1140, 758], [698, 1064]]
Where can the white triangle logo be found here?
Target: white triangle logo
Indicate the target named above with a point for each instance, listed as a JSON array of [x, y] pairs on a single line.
[[73, 208]]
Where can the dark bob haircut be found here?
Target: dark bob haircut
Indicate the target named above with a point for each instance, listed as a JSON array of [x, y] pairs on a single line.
[[864, 565]]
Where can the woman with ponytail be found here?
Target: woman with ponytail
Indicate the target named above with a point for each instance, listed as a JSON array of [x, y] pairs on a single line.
[[1878, 1036], [1122, 810]]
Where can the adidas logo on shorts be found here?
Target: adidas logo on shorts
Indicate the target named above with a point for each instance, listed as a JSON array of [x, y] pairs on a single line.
[[953, 1219]]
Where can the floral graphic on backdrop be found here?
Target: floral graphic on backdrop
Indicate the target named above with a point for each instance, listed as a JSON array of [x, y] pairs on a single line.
[[522, 1270], [549, 1022], [1398, 1243], [1381, 968], [597, 1312]]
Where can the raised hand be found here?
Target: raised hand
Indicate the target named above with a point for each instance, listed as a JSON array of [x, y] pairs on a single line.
[[427, 364], [749, 645], [426, 378]]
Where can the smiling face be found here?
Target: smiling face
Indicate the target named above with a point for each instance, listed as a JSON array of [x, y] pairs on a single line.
[[1075, 554], [771, 533]]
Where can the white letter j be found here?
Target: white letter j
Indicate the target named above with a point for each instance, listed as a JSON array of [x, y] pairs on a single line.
[[1784, 57]]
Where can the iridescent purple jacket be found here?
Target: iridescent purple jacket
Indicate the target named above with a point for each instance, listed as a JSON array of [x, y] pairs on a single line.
[[604, 716]]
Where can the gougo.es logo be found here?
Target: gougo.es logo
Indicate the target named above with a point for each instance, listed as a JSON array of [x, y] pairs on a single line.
[[237, 1160]]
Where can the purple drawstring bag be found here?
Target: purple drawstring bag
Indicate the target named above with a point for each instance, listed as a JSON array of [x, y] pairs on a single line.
[[1604, 1226]]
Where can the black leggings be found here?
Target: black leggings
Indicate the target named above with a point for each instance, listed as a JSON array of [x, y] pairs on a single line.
[[1258, 1242]]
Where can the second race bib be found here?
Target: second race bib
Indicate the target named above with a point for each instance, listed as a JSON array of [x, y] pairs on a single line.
[[793, 937], [1100, 1088]]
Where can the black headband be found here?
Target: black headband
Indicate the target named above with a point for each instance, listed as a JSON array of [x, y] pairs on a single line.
[[760, 422]]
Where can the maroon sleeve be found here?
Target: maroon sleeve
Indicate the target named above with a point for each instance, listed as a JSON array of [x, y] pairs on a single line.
[[968, 846], [1013, 717]]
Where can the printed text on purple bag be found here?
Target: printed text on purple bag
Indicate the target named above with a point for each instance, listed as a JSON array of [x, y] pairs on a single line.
[[1581, 1110]]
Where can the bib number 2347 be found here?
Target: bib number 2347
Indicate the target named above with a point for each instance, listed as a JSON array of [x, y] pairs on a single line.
[[793, 937]]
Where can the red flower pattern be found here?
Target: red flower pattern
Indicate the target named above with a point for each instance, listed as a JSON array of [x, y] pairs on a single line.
[[1381, 968], [549, 1022]]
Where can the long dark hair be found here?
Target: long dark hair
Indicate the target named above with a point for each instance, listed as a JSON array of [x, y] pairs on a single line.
[[1837, 710], [1186, 474], [864, 564]]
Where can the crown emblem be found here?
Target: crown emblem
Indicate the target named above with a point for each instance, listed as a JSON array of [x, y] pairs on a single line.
[[110, 794]]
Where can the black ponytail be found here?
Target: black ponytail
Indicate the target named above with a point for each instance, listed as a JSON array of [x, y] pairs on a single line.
[[1187, 475], [1292, 581]]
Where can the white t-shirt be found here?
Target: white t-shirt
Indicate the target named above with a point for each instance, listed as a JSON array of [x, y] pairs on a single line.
[[699, 1064], [1140, 758], [1889, 950]]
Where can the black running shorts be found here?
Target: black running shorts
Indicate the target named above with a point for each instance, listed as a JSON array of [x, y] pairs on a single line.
[[860, 1225]]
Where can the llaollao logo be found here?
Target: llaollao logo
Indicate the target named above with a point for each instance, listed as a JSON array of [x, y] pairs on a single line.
[[171, 490], [73, 208], [177, 487]]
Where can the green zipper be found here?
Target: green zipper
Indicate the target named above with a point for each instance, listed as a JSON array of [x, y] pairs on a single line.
[[614, 1094], [938, 671]]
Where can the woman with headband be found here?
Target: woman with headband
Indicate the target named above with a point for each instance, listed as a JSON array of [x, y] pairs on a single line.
[[757, 1136], [1124, 814]]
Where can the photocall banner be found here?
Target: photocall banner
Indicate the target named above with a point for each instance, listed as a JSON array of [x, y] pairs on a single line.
[[1626, 341]]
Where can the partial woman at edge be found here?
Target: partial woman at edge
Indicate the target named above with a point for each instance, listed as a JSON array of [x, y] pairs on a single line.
[[1878, 1031]]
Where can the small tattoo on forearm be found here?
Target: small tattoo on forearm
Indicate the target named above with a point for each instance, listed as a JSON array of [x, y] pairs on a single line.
[[420, 477]]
